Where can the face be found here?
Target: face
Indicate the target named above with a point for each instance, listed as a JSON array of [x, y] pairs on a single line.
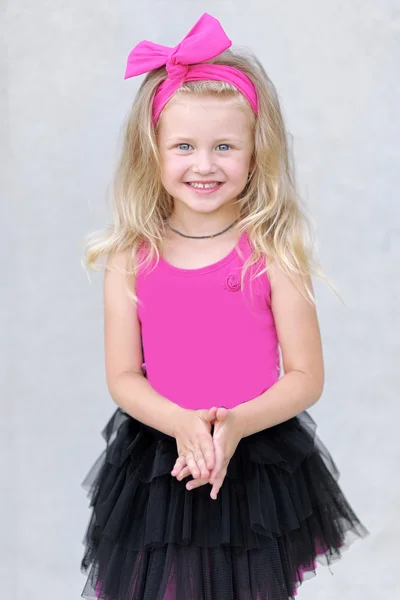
[[206, 146]]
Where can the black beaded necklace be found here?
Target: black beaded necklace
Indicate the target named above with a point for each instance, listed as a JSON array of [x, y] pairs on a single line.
[[201, 237]]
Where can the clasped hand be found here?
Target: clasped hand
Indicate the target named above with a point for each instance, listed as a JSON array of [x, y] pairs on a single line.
[[201, 454]]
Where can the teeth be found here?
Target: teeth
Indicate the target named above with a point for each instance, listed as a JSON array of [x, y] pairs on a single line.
[[204, 185]]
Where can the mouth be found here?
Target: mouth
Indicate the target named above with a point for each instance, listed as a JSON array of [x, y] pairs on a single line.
[[206, 185]]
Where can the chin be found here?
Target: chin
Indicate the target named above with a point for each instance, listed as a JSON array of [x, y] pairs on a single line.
[[205, 204]]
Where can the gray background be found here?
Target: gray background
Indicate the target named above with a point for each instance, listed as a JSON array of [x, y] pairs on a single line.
[[63, 99]]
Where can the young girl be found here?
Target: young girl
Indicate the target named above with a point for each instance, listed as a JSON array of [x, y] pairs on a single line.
[[213, 485]]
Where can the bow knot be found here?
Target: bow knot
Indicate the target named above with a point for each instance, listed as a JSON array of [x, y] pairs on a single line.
[[175, 69], [205, 41]]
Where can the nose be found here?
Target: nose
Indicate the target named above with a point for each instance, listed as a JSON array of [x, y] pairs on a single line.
[[204, 163]]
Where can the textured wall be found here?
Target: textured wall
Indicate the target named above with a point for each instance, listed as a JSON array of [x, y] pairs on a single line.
[[63, 99]]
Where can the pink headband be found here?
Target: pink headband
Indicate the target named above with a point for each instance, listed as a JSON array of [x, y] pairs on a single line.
[[205, 41]]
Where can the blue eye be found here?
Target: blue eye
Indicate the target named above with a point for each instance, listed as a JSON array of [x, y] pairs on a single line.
[[184, 146], [224, 147]]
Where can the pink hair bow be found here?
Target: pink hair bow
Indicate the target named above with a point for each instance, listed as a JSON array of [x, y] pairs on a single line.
[[205, 41]]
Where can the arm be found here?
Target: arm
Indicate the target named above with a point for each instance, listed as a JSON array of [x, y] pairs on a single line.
[[300, 342], [132, 392], [301, 386], [126, 383]]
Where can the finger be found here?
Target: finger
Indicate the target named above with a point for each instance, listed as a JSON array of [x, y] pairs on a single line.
[[216, 486], [219, 463], [209, 416], [178, 466], [184, 473], [180, 462], [195, 483], [222, 413], [212, 413], [192, 465], [208, 452], [177, 470], [201, 463]]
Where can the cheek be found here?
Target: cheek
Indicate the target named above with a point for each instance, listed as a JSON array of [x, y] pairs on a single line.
[[239, 170], [172, 168]]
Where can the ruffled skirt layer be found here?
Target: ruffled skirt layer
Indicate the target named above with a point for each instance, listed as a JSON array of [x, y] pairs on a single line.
[[280, 509]]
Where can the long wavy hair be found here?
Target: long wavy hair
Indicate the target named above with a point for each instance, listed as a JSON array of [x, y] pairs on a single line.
[[271, 210]]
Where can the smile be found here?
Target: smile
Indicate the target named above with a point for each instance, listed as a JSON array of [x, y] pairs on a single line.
[[204, 186]]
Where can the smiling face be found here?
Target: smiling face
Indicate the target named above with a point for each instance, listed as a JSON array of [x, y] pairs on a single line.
[[206, 146]]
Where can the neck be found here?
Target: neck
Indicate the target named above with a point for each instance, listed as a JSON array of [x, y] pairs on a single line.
[[202, 224]]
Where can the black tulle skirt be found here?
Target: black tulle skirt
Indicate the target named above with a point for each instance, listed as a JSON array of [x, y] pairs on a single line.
[[279, 511]]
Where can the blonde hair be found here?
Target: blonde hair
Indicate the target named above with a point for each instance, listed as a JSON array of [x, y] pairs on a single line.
[[271, 210]]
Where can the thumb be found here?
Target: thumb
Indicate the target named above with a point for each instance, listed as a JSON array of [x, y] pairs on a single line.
[[211, 414], [222, 413]]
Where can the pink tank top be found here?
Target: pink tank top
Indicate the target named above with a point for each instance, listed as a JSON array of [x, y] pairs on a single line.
[[206, 342]]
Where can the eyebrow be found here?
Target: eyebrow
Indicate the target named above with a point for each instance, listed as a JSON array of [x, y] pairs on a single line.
[[185, 139], [178, 139]]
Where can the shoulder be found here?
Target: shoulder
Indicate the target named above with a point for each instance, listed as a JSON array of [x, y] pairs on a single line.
[[118, 261], [121, 260], [284, 284], [290, 302], [124, 263], [119, 277]]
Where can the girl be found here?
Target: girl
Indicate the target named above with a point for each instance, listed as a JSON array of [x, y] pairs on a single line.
[[213, 485]]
